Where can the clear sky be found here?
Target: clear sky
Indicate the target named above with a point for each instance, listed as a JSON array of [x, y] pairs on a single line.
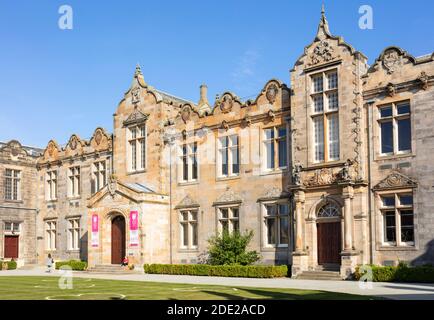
[[54, 82]]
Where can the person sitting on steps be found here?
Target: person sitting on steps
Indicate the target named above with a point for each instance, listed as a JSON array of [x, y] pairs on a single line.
[[124, 262]]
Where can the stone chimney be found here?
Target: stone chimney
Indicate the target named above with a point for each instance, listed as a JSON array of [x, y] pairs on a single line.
[[203, 95]]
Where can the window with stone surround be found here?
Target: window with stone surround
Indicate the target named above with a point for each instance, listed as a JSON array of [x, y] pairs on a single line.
[[136, 148], [12, 227], [398, 219], [275, 148], [228, 156], [395, 128], [74, 234], [325, 116], [99, 176], [189, 162], [74, 182], [51, 185], [50, 235], [276, 222], [12, 185], [228, 218], [188, 229]]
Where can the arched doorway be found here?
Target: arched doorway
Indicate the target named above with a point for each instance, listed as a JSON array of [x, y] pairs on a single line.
[[329, 235], [118, 239]]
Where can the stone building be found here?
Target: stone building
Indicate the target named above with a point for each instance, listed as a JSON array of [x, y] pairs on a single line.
[[331, 172]]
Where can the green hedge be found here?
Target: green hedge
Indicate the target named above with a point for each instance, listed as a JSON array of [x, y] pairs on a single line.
[[74, 264], [401, 273], [12, 265], [218, 271]]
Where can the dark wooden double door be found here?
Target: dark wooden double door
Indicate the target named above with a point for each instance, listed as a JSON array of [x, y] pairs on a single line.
[[329, 243], [11, 247], [118, 239]]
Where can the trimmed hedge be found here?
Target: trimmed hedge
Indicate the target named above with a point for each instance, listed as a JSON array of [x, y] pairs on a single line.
[[401, 273], [12, 265], [74, 264], [218, 271]]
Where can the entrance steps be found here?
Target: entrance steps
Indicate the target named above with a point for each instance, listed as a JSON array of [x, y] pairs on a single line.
[[112, 269], [29, 267], [326, 272]]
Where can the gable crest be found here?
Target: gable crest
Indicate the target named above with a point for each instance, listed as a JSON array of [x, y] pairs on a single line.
[[395, 180]]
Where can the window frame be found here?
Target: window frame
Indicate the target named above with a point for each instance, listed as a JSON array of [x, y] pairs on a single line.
[[190, 230], [73, 229], [325, 114], [50, 184], [141, 154], [394, 119], [15, 179], [275, 143], [98, 175], [189, 155], [229, 152], [230, 219], [277, 217], [74, 186], [50, 234], [397, 207]]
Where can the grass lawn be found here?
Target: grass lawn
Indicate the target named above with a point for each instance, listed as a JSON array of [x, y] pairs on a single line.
[[41, 288]]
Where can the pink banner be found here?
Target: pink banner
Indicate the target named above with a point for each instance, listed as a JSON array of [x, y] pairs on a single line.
[[134, 228], [94, 223], [134, 220]]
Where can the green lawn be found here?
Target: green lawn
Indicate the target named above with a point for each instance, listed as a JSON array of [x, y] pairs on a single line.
[[40, 288]]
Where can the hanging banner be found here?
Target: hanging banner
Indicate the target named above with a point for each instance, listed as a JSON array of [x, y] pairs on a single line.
[[134, 228], [95, 230]]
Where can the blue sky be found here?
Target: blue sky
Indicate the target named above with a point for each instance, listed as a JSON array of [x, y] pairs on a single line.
[[54, 83]]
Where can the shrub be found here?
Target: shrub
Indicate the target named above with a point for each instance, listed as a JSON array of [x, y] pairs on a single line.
[[218, 271], [231, 249], [74, 264], [11, 265], [401, 273]]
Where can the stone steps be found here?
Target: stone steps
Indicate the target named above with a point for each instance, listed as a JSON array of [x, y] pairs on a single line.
[[112, 269], [320, 275]]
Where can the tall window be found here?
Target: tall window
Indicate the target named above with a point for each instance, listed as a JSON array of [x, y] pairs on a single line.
[[277, 224], [398, 219], [325, 116], [74, 182], [74, 234], [12, 184], [395, 128], [229, 219], [51, 185], [189, 236], [229, 156], [50, 235], [275, 148], [137, 148], [98, 176], [189, 162]]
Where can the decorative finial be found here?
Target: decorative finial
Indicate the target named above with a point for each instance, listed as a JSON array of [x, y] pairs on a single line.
[[323, 9], [323, 28], [138, 70]]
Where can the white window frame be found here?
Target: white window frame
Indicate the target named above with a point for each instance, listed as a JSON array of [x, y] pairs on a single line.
[[74, 182], [394, 118], [189, 224], [277, 217], [397, 208], [73, 234], [51, 183], [190, 155], [12, 191], [50, 235], [99, 175], [325, 114], [137, 162], [231, 219], [275, 141], [230, 150], [12, 230]]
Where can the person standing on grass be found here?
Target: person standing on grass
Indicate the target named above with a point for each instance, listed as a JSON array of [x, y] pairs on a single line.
[[50, 262]]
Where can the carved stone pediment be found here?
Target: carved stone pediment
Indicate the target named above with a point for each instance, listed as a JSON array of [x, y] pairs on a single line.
[[136, 117], [322, 177], [187, 202], [322, 53], [271, 93], [392, 60], [229, 196], [226, 103], [395, 180]]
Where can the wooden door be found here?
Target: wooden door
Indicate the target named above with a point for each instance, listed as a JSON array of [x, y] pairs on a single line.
[[329, 243], [118, 240], [11, 247]]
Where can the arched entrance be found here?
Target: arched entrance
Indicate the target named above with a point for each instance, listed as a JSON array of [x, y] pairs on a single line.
[[118, 239], [329, 235]]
